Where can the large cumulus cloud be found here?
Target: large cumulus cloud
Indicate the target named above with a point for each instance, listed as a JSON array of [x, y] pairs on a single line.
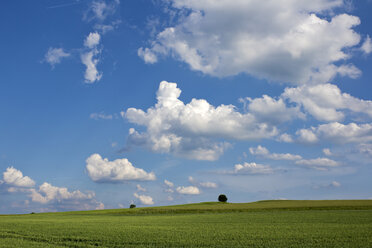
[[295, 41], [190, 130]]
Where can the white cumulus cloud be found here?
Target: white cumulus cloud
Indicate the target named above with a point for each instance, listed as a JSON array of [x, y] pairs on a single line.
[[264, 152], [190, 130], [326, 101], [102, 170], [286, 138], [91, 73], [147, 55], [252, 168], [53, 197], [48, 192], [337, 132], [281, 40], [268, 109], [92, 40], [189, 190], [307, 136], [89, 58], [144, 199], [60, 198], [14, 177], [367, 45]]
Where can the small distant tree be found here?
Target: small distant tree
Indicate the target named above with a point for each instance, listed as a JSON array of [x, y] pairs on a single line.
[[222, 198], [132, 206]]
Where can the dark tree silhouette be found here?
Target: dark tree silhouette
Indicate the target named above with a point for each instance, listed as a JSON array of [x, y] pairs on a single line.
[[132, 206], [222, 198]]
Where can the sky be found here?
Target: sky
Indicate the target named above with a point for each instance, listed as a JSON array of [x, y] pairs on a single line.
[[107, 103]]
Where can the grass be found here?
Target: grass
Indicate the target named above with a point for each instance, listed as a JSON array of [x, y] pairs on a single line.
[[257, 224]]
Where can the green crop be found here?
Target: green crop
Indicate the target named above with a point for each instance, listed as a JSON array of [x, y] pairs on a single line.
[[259, 224]]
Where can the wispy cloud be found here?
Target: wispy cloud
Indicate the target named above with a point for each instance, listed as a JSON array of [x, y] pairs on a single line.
[[55, 55], [100, 10], [102, 116], [67, 4]]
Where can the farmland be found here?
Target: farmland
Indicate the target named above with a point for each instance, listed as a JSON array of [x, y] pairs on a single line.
[[257, 224]]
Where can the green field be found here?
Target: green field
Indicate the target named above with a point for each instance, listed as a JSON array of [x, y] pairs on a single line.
[[257, 224]]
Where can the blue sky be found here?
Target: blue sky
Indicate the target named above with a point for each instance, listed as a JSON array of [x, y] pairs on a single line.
[[108, 103]]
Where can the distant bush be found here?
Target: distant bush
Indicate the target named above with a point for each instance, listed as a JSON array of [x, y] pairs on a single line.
[[132, 206], [32, 213], [222, 198]]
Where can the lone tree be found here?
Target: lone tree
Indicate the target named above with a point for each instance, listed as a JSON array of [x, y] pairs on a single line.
[[132, 206], [222, 198]]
